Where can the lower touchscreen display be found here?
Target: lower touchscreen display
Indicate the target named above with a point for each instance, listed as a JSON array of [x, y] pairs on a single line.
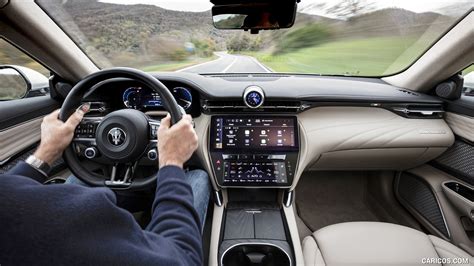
[[252, 133], [255, 172]]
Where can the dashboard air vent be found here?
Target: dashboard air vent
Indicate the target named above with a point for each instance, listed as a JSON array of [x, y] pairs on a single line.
[[419, 111], [98, 108], [238, 106], [409, 92]]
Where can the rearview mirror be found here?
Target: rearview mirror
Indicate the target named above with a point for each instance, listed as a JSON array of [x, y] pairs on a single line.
[[255, 16], [13, 84]]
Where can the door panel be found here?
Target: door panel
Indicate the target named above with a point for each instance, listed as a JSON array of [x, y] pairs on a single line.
[[460, 231], [15, 112], [20, 127], [458, 161], [456, 164], [462, 125], [17, 138]]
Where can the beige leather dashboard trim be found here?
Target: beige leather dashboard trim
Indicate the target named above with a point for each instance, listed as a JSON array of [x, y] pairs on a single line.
[[202, 124], [462, 126], [377, 159], [15, 139], [338, 134]]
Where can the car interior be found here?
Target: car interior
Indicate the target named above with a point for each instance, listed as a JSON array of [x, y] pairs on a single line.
[[306, 169]]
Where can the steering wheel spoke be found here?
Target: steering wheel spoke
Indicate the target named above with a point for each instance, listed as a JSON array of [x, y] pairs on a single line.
[[117, 182]]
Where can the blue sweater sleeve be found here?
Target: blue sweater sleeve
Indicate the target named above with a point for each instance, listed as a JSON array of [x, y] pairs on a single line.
[[27, 170], [174, 216], [75, 225]]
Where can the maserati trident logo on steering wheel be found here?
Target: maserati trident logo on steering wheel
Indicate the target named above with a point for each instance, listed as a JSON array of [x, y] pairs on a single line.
[[116, 136]]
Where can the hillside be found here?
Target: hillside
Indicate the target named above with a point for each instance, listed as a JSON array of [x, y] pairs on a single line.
[[142, 35], [122, 31], [393, 21]]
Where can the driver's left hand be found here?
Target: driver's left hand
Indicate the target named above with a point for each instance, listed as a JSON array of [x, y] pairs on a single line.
[[56, 135]]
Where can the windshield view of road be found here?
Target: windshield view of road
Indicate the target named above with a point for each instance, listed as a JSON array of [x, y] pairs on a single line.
[[228, 63], [331, 37]]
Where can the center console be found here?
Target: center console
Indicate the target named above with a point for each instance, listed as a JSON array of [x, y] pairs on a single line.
[[254, 151], [254, 230], [253, 158]]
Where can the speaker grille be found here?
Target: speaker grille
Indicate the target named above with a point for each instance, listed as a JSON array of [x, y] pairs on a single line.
[[418, 195], [458, 160]]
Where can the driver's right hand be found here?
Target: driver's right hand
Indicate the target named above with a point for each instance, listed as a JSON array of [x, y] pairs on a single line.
[[176, 143]]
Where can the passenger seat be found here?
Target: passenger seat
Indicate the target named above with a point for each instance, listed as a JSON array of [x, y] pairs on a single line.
[[375, 243]]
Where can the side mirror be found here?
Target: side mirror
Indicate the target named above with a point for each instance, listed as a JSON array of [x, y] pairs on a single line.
[[261, 15], [469, 84], [18, 82], [13, 83]]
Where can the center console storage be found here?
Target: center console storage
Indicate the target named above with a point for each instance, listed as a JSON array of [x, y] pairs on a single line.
[[254, 231], [254, 151], [255, 254]]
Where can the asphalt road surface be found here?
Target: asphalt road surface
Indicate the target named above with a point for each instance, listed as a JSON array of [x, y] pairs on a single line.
[[227, 63]]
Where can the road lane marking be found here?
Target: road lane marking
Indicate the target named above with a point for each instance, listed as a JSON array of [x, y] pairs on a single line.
[[221, 56], [229, 66], [267, 69]]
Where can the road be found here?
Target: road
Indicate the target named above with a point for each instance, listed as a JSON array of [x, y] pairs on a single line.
[[228, 63]]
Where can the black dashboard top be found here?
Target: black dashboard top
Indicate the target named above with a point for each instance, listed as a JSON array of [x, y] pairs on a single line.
[[290, 93], [298, 87]]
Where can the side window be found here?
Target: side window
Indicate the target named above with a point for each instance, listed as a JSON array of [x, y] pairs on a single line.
[[20, 76]]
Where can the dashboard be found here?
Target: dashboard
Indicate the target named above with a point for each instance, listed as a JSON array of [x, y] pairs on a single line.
[[265, 130]]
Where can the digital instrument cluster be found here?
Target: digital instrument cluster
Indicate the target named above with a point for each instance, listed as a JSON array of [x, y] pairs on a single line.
[[142, 98], [254, 151]]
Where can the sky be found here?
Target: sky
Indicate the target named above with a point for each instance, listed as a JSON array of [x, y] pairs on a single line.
[[413, 5]]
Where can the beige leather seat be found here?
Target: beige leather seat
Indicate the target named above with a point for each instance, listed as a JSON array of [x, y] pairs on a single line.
[[373, 243]]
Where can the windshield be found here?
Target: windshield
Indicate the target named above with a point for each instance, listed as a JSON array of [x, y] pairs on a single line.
[[333, 37]]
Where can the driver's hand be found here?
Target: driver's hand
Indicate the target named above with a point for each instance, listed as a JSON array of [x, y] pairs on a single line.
[[176, 143], [56, 134]]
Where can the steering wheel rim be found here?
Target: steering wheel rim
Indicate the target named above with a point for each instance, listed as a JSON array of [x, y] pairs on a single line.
[[74, 100]]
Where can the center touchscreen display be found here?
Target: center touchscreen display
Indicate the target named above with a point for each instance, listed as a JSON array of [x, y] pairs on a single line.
[[253, 133]]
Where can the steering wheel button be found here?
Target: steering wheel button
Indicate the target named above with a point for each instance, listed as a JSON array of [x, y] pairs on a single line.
[[90, 153], [152, 154]]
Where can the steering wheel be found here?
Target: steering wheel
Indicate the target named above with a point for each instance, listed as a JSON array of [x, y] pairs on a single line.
[[121, 138]]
